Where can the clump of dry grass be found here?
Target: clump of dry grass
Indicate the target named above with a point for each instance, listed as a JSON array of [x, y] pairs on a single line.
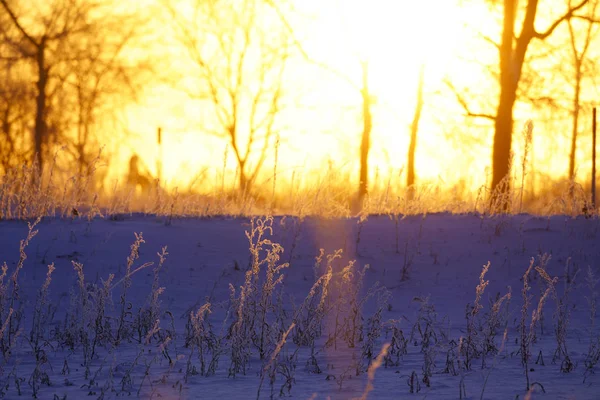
[[26, 193]]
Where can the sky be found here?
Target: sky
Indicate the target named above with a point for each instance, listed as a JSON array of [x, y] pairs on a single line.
[[396, 38]]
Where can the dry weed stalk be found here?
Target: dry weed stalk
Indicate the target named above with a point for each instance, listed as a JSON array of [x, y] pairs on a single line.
[[372, 368], [561, 316], [472, 347], [527, 334]]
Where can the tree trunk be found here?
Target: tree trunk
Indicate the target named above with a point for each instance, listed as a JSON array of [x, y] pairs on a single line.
[[40, 112], [244, 183], [575, 124], [503, 142], [414, 130], [513, 49], [510, 69], [365, 143]]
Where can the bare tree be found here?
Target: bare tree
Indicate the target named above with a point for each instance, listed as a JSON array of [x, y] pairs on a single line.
[[580, 41], [365, 143], [75, 52], [414, 130], [42, 40], [99, 81], [239, 50], [15, 111], [512, 51], [282, 9]]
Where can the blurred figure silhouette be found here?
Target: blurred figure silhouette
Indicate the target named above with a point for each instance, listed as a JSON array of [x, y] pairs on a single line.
[[136, 177]]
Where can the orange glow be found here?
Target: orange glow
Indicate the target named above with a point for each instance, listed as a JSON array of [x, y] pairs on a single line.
[[395, 39], [323, 119]]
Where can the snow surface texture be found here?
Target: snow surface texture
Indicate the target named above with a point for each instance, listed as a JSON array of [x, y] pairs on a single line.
[[418, 296]]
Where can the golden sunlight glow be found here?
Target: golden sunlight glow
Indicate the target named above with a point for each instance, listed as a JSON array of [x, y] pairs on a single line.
[[395, 38], [324, 121]]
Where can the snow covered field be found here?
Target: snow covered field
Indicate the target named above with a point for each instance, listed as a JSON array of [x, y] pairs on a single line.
[[234, 322]]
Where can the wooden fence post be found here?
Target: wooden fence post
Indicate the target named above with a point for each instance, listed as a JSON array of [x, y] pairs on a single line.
[[594, 159], [160, 155]]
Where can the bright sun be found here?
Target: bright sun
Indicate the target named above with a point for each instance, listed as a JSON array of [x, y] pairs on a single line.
[[396, 38]]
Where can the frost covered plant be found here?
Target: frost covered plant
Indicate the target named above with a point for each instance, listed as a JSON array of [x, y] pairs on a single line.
[[11, 305], [362, 219], [201, 338], [101, 303], [254, 302], [270, 367], [77, 329], [286, 368], [239, 337], [372, 368], [273, 278], [87, 322], [527, 138], [149, 361], [398, 345], [341, 283], [347, 305], [452, 366], [428, 364], [472, 344], [6, 315], [489, 372], [413, 383], [309, 316], [524, 334], [527, 333], [592, 356], [350, 304], [43, 314], [407, 264], [493, 323], [561, 318], [543, 260], [198, 339], [423, 332], [374, 327], [297, 229], [134, 254], [151, 311]]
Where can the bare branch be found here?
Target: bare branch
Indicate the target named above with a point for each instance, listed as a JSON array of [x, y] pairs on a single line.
[[15, 20], [587, 18], [569, 14], [240, 75], [489, 40], [464, 104]]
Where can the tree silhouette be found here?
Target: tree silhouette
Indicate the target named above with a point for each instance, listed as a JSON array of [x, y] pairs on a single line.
[[15, 111], [74, 48], [365, 142], [285, 7], [43, 44], [414, 131], [579, 45], [239, 51], [512, 51]]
